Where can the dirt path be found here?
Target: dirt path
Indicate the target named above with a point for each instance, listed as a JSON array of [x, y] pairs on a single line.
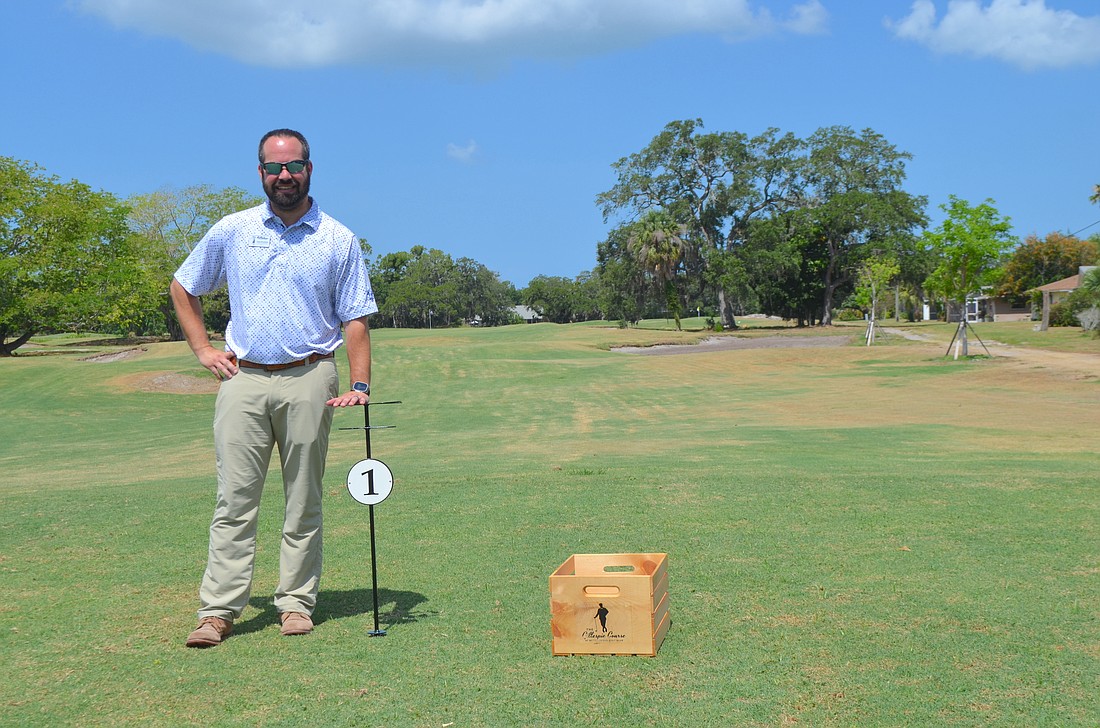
[[1081, 366], [1075, 364]]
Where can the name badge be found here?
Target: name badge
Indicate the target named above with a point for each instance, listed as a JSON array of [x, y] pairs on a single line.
[[260, 241]]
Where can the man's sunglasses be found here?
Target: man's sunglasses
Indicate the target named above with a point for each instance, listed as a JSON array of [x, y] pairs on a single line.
[[276, 168]]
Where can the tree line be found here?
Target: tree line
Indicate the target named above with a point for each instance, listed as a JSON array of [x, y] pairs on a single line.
[[796, 228], [718, 223], [76, 259]]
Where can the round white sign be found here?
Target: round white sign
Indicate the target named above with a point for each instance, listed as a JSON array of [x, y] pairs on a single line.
[[370, 481]]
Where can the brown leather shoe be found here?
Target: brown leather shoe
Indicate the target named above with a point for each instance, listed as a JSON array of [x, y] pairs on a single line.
[[210, 632], [295, 623]]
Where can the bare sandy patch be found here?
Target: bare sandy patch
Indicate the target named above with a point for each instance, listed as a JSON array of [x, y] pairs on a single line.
[[1075, 365], [166, 382]]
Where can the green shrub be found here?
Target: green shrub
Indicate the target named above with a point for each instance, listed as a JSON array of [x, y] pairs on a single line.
[[848, 314], [1062, 314]]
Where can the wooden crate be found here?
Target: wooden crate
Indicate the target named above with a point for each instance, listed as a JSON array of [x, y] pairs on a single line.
[[609, 604]]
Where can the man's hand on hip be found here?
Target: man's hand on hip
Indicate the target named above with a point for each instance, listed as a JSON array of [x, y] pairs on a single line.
[[222, 364]]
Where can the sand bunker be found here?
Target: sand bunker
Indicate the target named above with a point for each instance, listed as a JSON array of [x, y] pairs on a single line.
[[116, 355], [727, 343]]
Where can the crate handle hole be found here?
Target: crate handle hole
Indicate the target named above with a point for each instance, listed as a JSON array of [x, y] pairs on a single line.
[[601, 591], [624, 567]]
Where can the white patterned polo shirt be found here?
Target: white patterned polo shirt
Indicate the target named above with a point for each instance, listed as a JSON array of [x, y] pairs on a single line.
[[290, 288]]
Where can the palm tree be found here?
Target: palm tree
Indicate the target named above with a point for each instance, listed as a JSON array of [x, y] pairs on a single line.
[[657, 242], [1091, 282]]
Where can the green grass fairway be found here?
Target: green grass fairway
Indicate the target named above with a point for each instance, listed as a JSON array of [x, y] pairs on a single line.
[[856, 536]]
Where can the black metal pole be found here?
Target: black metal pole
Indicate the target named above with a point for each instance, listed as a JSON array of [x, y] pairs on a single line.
[[366, 427], [377, 631]]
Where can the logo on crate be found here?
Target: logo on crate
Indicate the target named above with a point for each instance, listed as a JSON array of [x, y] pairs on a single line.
[[601, 632]]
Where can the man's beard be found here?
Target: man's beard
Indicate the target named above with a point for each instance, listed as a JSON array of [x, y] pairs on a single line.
[[287, 198]]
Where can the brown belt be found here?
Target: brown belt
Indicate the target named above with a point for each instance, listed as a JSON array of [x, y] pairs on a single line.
[[311, 359]]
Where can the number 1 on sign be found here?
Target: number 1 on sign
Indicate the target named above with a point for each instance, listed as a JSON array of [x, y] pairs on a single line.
[[370, 481]]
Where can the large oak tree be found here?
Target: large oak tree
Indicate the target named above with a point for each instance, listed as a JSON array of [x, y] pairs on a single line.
[[771, 220]]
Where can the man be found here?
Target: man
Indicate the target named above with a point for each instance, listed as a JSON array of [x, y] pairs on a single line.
[[601, 614], [296, 277]]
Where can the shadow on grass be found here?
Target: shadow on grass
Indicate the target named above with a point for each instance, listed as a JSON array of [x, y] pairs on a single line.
[[394, 607]]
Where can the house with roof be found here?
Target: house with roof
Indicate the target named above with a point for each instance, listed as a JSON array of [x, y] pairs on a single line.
[[528, 314], [1059, 290], [980, 307], [985, 307]]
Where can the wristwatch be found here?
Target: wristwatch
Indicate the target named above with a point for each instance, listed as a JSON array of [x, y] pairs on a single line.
[[361, 387]]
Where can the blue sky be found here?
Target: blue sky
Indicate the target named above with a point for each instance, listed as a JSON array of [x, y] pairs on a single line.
[[486, 128]]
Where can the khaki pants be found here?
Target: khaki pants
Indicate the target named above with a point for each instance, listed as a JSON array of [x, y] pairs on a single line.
[[256, 411]]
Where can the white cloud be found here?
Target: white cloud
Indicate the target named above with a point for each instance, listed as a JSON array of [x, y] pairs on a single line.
[[1025, 33], [462, 154], [810, 18], [478, 33]]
